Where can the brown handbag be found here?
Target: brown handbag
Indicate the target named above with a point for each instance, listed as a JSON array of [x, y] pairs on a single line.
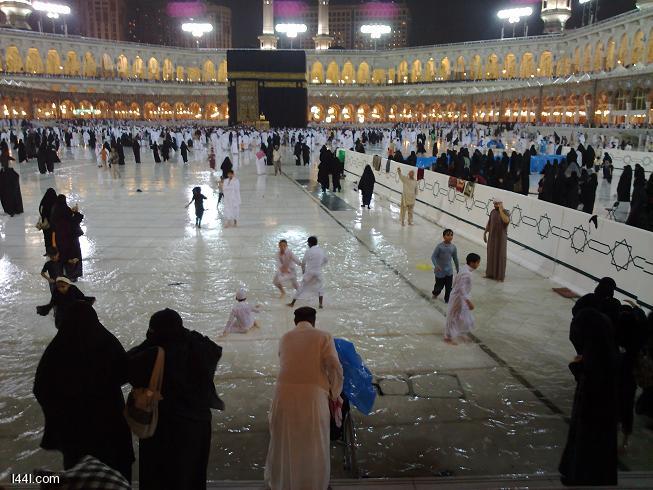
[[142, 407]]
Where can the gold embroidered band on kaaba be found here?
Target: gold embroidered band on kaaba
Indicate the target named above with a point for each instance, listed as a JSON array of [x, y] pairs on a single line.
[[265, 75]]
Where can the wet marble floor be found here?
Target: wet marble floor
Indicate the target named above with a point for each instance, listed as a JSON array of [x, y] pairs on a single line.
[[495, 406]]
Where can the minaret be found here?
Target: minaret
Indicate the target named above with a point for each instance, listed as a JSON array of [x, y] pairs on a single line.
[[323, 40], [268, 38], [16, 12], [555, 14]]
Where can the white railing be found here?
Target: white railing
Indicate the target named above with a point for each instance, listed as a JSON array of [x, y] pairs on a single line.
[[554, 241]]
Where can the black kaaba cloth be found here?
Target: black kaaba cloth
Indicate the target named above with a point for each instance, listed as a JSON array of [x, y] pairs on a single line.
[[271, 83]]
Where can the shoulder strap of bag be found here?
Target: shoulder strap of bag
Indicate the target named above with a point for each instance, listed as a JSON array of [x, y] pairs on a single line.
[[156, 380]]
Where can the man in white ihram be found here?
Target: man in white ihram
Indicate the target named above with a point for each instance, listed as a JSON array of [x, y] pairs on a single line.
[[312, 282], [310, 377]]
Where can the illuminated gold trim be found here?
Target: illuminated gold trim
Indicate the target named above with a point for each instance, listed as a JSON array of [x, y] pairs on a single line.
[[283, 85], [266, 75]]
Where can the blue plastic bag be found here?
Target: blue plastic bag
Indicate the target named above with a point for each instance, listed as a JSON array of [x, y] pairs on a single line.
[[357, 384]]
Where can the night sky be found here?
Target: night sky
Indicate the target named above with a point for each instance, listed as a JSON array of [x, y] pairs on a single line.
[[434, 21]]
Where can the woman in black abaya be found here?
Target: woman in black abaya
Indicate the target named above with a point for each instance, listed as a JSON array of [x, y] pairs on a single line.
[[136, 147], [10, 196], [590, 455], [155, 152], [45, 211], [623, 187], [78, 385], [65, 223], [366, 186]]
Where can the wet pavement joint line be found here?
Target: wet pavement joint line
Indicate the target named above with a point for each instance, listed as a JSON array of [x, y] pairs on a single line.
[[498, 359]]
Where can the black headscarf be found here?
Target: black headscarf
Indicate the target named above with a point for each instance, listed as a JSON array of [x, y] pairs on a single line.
[[48, 201]]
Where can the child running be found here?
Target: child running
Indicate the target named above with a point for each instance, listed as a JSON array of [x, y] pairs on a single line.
[[241, 319], [52, 269], [286, 261], [460, 320], [198, 199], [442, 256]]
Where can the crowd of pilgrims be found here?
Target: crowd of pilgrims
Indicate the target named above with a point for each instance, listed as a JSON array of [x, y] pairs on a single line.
[[472, 152]]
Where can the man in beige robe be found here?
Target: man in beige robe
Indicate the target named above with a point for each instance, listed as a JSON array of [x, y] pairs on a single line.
[[496, 237], [408, 196], [310, 375]]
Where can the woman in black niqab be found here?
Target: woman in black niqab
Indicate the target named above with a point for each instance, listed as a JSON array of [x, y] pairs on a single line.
[[78, 385], [623, 187], [366, 186]]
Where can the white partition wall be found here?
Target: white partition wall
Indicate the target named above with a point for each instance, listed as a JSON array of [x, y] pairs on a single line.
[[557, 242]]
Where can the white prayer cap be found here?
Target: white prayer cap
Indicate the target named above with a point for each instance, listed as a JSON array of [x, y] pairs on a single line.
[[63, 279], [241, 294], [497, 200]]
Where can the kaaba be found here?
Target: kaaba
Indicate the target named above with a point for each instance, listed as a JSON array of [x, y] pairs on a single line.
[[269, 84]]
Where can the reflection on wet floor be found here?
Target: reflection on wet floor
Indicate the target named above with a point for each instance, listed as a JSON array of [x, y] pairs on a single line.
[[494, 406]]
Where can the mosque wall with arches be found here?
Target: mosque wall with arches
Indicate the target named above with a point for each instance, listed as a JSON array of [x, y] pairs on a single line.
[[601, 73]]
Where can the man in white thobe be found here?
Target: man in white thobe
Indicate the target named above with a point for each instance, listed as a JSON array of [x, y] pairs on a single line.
[[286, 261], [310, 375], [312, 281], [231, 191]]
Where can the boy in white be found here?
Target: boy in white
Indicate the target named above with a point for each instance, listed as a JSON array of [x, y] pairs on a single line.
[[241, 319], [312, 263], [286, 261], [460, 320]]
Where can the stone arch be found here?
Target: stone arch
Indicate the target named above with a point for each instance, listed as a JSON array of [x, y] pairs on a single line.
[[623, 58], [195, 110], [180, 74], [599, 57], [103, 110], [333, 113], [510, 66], [431, 71], [445, 69], [317, 113], [89, 66], [586, 62], [138, 68], [392, 75], [208, 72], [194, 74], [317, 73], [363, 73], [362, 113], [459, 71], [477, 68], [347, 74], [637, 54], [492, 67], [222, 72], [165, 111], [575, 61], [122, 66], [153, 72], [527, 66], [107, 66], [34, 62], [168, 71], [379, 76], [14, 62], [149, 110], [72, 66], [416, 71], [134, 110], [610, 55], [120, 110], [546, 64], [212, 110], [53, 63], [402, 72], [378, 113], [347, 113], [563, 67], [67, 109], [333, 73]]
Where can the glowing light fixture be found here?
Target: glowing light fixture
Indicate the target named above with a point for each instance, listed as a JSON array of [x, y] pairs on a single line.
[[514, 15], [53, 10], [197, 29], [376, 30], [291, 30]]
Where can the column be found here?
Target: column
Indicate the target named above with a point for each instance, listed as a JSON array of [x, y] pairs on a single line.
[[268, 38], [323, 40]]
